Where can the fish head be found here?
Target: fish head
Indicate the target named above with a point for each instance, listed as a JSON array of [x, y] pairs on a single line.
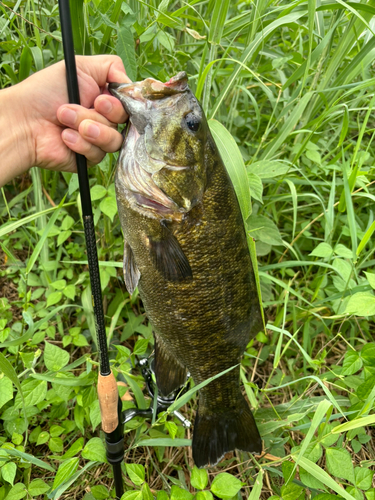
[[172, 136]]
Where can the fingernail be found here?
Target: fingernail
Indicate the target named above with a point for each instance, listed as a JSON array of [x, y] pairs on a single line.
[[68, 116], [106, 106], [92, 131], [70, 136]]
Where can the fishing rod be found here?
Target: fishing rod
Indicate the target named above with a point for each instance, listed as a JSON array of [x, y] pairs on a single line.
[[109, 400], [113, 419]]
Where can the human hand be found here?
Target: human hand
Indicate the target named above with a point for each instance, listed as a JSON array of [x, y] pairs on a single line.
[[39, 108]]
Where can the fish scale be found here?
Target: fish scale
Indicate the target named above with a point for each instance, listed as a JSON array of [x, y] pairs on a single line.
[[195, 275]]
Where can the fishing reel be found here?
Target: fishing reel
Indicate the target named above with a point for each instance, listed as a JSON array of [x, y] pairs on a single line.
[[162, 403]]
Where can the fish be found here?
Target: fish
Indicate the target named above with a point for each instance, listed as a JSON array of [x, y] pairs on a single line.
[[186, 250]]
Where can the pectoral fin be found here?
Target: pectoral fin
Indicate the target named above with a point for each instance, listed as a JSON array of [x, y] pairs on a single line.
[[131, 271], [168, 256]]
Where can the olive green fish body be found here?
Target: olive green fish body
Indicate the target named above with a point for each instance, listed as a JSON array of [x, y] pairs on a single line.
[[192, 265]]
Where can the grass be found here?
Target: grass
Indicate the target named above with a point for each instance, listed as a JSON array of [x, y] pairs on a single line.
[[293, 83]]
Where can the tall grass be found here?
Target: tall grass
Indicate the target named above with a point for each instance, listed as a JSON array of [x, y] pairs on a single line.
[[293, 85]]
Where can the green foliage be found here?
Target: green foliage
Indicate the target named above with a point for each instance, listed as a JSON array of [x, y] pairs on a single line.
[[287, 88]]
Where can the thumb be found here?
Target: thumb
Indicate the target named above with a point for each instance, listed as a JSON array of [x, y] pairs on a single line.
[[103, 68]]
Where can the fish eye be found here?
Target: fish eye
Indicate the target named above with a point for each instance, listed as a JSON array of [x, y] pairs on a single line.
[[193, 122]]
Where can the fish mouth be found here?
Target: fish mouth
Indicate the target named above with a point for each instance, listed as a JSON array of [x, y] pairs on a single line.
[[126, 91], [150, 88]]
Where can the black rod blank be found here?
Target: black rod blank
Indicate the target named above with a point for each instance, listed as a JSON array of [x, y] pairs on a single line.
[[114, 439], [84, 188], [73, 93]]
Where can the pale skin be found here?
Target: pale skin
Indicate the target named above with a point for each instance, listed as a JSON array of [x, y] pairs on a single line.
[[38, 127]]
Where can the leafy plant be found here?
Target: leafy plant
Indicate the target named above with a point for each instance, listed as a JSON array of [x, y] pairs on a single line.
[[288, 91]]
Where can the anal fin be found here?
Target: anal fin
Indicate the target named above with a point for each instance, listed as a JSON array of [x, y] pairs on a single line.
[[170, 373], [131, 271], [168, 256]]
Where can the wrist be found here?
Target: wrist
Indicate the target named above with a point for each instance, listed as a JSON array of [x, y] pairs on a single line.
[[16, 137]]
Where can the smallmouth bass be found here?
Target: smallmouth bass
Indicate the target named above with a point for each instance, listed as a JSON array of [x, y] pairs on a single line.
[[186, 250]]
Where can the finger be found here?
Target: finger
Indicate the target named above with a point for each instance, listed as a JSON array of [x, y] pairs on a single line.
[[106, 138], [111, 108], [78, 144], [72, 116], [103, 68]]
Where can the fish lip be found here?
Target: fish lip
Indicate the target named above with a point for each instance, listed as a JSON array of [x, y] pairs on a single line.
[[114, 87], [118, 90]]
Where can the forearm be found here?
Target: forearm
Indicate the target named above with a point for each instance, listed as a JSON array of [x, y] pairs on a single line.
[[15, 136]]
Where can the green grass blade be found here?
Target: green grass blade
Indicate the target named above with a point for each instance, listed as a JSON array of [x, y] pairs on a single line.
[[322, 409], [164, 442], [293, 192], [57, 493], [257, 488], [62, 379], [318, 381], [315, 56], [139, 397], [352, 7], [354, 424], [366, 238], [282, 331], [43, 238], [29, 458], [288, 127], [350, 213], [102, 263], [13, 225], [254, 261], [219, 15], [323, 477], [25, 64], [108, 31], [80, 35], [298, 263], [234, 164], [115, 317], [355, 167], [189, 394], [251, 51], [10, 372], [345, 126]]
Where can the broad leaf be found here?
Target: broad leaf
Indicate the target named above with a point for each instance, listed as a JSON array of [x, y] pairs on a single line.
[[339, 463], [225, 485], [361, 304], [199, 478], [55, 358], [94, 450]]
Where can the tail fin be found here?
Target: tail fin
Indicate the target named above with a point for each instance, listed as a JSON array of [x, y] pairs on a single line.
[[216, 434]]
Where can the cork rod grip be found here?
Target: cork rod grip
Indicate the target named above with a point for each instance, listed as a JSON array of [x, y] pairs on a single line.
[[108, 401]]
